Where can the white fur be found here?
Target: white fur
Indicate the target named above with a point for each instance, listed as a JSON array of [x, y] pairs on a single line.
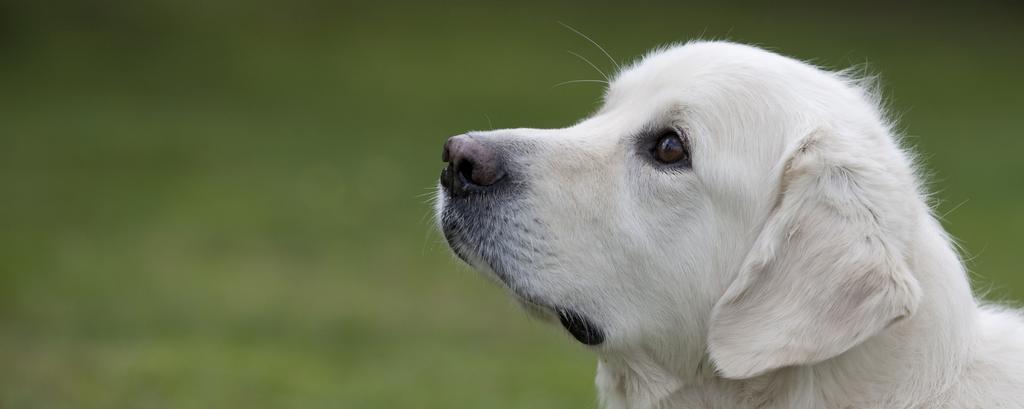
[[796, 265]]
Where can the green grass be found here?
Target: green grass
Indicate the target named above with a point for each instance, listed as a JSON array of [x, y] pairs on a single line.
[[223, 205]]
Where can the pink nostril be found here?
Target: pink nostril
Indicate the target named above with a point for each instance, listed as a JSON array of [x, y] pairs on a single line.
[[477, 162]]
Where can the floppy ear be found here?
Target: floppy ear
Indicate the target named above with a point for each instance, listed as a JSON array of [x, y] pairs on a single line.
[[827, 270]]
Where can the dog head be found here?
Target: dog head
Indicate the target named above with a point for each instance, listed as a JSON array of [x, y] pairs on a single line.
[[723, 196]]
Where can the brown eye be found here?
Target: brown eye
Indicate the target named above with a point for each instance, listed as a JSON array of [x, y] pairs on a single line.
[[670, 149]]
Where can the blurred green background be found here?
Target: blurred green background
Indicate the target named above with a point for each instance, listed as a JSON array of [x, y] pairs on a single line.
[[225, 204]]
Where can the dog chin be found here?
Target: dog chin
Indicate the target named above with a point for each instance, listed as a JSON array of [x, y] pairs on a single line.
[[541, 312], [578, 324]]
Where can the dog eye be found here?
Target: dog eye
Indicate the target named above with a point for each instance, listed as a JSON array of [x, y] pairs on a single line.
[[670, 149]]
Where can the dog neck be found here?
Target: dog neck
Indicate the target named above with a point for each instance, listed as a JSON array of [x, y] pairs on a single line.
[[920, 356]]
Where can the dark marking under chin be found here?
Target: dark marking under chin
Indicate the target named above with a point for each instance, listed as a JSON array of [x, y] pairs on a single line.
[[580, 327]]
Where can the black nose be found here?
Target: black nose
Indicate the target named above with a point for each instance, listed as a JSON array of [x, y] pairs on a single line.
[[472, 165]]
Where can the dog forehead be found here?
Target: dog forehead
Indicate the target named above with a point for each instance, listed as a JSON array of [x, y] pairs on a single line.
[[721, 82], [667, 72]]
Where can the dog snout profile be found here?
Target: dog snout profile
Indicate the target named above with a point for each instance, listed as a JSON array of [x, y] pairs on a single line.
[[473, 165]]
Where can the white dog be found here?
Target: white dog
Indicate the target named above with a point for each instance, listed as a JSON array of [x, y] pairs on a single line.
[[734, 229]]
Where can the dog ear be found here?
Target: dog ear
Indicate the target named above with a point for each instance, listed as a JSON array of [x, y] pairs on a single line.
[[826, 271]]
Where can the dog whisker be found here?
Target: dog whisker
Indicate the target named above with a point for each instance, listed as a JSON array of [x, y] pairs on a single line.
[[591, 65], [577, 82], [605, 52]]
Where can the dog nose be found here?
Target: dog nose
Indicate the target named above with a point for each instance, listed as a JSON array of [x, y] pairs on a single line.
[[471, 164]]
